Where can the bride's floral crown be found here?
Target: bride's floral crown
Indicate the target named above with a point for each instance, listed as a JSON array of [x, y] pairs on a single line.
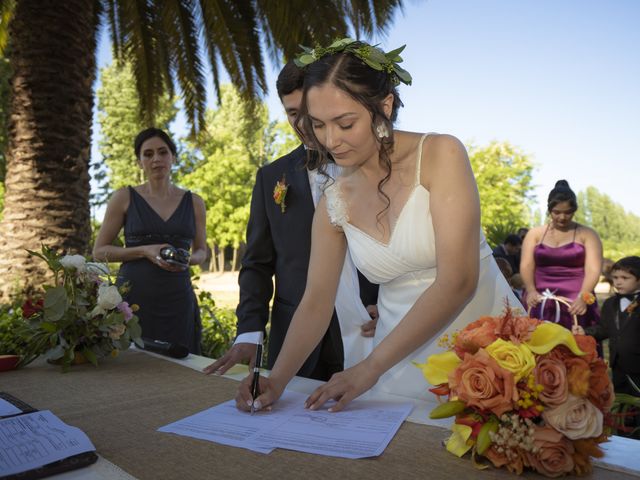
[[373, 56]]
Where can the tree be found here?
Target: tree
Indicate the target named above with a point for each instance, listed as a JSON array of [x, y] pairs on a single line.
[[52, 48], [120, 120], [235, 143], [618, 229], [4, 106], [503, 175]]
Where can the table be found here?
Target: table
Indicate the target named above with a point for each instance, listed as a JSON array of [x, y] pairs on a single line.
[[121, 404]]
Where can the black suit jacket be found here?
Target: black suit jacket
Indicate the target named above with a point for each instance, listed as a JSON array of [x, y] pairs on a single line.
[[279, 244], [624, 342]]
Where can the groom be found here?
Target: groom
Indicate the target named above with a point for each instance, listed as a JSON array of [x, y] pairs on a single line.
[[279, 244]]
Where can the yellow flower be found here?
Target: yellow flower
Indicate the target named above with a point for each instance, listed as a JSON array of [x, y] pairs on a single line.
[[459, 442], [518, 359], [549, 335], [438, 367]]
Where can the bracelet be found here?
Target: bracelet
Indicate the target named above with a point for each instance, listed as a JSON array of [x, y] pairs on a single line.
[[588, 298]]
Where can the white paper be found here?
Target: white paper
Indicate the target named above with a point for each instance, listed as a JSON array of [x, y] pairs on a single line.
[[7, 408], [35, 439], [363, 430]]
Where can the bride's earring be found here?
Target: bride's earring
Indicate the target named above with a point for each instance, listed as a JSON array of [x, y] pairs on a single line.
[[382, 130]]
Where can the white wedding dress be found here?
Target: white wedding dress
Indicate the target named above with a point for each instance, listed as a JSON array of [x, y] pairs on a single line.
[[405, 268]]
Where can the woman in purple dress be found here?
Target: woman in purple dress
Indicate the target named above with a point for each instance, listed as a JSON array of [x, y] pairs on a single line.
[[563, 258]]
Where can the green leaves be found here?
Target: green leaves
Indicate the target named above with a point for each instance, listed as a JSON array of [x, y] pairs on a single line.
[[484, 435], [372, 55], [504, 177], [55, 303], [447, 409]]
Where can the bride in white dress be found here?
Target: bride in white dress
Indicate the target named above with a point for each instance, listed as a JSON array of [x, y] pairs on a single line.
[[407, 208]]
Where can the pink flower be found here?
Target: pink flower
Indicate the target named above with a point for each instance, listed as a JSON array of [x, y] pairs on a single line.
[[125, 309], [480, 382], [552, 375], [576, 418], [553, 456]]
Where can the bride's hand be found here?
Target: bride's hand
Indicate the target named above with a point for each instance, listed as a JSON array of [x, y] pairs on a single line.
[[270, 392], [343, 387]]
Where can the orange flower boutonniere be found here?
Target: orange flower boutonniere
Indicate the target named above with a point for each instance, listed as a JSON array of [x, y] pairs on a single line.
[[588, 298], [280, 192], [632, 306]]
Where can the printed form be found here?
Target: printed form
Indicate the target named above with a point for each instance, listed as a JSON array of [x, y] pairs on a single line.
[[35, 439], [364, 429]]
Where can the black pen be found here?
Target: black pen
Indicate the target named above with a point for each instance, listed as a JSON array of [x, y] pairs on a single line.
[[255, 385]]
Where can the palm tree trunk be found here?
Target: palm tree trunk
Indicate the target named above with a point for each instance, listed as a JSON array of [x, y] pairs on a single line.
[[52, 56]]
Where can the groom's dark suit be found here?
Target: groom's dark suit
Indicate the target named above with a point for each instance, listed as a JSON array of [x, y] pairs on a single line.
[[280, 244]]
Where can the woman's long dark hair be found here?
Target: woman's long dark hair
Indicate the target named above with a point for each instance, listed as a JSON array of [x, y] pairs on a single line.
[[365, 85]]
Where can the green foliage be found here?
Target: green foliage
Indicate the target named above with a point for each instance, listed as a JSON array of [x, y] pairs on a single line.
[[237, 140], [624, 412], [120, 121], [618, 229], [11, 323], [218, 326], [82, 311], [284, 139], [503, 174]]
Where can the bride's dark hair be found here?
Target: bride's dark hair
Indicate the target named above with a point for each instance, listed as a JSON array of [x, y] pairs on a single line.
[[366, 86]]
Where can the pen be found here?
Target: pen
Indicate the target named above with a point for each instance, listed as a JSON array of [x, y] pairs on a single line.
[[255, 384]]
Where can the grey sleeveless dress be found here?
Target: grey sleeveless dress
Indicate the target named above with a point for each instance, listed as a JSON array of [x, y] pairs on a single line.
[[168, 306]]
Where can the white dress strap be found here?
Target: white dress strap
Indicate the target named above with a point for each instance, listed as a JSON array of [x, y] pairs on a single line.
[[419, 159]]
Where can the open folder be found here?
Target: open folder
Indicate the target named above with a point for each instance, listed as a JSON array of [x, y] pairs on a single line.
[[37, 444]]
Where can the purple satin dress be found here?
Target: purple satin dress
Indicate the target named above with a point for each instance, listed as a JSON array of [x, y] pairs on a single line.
[[561, 270]]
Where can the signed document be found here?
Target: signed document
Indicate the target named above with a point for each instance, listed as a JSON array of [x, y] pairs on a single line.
[[364, 429]]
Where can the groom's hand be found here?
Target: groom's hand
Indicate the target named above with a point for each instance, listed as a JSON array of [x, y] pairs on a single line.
[[369, 329], [239, 353]]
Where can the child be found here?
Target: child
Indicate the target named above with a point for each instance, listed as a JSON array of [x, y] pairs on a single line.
[[620, 323]]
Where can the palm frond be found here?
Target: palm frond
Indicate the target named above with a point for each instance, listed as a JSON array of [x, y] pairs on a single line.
[[6, 12], [231, 35], [181, 43], [111, 9], [138, 45]]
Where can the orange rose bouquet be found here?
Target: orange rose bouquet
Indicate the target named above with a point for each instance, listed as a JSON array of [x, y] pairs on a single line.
[[524, 393]]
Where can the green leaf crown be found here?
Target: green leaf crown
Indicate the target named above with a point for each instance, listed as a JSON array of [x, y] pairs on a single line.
[[373, 56]]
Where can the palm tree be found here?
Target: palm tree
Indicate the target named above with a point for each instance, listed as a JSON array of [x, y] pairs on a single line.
[[52, 52]]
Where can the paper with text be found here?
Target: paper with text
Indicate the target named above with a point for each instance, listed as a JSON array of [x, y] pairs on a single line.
[[35, 439], [7, 408], [363, 430]]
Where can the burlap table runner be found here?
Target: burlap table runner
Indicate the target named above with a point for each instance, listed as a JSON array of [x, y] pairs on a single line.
[[121, 404]]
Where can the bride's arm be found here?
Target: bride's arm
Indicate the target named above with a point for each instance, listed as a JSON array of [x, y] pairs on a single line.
[[455, 212], [313, 315]]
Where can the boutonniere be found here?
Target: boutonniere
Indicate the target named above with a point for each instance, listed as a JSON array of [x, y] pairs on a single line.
[[632, 306], [280, 192]]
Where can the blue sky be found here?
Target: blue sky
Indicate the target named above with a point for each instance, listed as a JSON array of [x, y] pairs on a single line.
[[560, 79]]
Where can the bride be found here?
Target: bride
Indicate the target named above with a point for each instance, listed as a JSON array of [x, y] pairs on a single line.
[[406, 206]]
